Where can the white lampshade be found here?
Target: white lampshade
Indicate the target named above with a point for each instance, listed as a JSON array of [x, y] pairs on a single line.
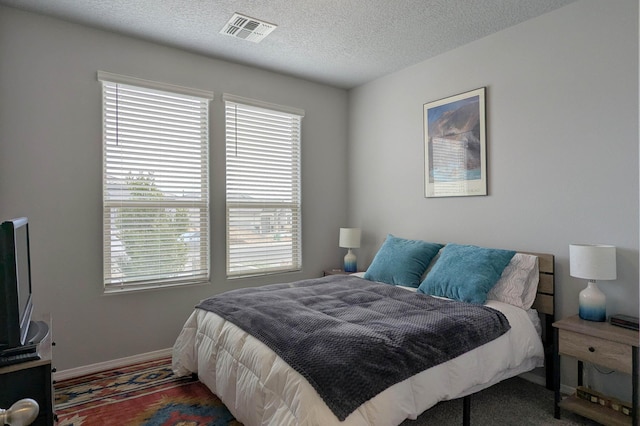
[[592, 261], [350, 237]]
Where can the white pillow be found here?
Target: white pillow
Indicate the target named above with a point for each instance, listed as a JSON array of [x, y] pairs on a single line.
[[518, 283]]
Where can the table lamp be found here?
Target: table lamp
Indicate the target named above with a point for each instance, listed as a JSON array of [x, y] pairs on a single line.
[[592, 262], [349, 239]]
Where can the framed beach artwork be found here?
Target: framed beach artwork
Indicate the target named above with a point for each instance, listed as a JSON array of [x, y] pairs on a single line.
[[455, 145]]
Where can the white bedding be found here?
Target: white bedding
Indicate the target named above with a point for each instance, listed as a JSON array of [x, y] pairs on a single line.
[[259, 388]]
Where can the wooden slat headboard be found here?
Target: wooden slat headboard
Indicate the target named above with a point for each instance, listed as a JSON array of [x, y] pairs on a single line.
[[545, 304]]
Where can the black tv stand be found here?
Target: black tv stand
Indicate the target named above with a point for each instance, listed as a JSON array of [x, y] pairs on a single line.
[[18, 350], [38, 330], [17, 358], [31, 379]]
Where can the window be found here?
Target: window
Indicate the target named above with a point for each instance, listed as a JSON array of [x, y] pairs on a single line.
[[155, 184], [263, 187]]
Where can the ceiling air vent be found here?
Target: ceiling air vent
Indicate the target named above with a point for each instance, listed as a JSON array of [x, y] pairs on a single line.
[[246, 28]]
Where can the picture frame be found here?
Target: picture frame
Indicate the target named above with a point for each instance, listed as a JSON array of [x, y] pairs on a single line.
[[455, 145]]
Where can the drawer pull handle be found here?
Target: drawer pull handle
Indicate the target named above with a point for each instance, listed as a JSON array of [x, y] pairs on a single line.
[[592, 349]]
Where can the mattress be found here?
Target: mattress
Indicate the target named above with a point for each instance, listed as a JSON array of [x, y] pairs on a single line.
[[260, 388]]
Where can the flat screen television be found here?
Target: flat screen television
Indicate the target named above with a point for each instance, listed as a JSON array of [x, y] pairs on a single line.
[[16, 303]]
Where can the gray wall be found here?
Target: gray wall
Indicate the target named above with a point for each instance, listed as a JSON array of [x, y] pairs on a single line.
[[50, 171], [562, 130], [562, 113]]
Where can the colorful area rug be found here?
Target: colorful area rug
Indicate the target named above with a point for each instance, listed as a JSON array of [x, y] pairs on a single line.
[[142, 394]]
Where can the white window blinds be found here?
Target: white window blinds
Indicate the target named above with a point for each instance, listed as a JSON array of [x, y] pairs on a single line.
[[155, 184], [263, 187]]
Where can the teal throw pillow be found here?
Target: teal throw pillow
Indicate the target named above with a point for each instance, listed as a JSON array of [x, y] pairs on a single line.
[[466, 273], [401, 262]]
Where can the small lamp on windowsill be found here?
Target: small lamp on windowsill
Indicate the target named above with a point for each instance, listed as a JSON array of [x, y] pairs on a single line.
[[350, 239], [592, 262]]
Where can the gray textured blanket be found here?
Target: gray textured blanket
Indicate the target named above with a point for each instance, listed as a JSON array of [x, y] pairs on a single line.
[[352, 338]]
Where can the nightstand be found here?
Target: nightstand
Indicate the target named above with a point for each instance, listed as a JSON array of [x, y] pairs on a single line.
[[599, 343], [337, 272]]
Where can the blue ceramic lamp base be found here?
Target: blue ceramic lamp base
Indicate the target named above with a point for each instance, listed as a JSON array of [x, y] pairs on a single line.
[[350, 264], [593, 303]]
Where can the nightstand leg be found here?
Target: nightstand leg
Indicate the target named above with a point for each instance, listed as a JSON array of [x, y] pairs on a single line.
[[580, 373], [556, 374], [634, 385]]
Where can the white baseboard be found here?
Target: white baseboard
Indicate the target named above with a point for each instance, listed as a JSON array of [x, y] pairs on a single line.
[[541, 380], [115, 363], [534, 378]]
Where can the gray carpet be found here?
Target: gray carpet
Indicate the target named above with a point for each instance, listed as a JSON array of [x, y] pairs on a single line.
[[513, 402]]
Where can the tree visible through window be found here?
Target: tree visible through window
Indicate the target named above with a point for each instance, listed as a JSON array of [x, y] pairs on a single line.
[[136, 226], [156, 180]]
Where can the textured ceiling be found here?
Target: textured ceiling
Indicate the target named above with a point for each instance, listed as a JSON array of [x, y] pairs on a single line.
[[343, 43]]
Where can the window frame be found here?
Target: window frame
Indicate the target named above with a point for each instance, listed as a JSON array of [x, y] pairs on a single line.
[[199, 194], [294, 205]]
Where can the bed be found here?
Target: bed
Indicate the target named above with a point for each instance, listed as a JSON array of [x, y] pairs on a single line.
[[259, 387]]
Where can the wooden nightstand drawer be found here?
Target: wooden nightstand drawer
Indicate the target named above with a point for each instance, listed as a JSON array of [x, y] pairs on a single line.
[[603, 352]]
